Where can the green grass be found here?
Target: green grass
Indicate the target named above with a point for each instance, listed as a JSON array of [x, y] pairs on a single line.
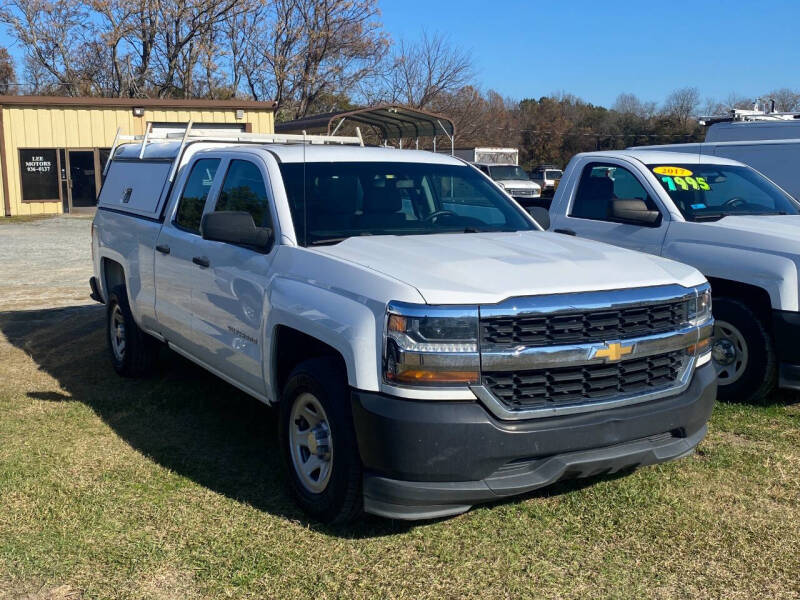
[[171, 487]]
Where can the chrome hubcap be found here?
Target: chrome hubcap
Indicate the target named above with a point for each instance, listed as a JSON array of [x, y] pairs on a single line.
[[311, 443], [117, 332], [729, 352]]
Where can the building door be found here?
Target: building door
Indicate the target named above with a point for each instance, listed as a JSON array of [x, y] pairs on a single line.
[[82, 178], [63, 180]]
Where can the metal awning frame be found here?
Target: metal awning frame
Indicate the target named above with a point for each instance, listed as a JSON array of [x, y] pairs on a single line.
[[390, 120]]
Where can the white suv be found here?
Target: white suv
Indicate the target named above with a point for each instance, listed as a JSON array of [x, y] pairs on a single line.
[[427, 344]]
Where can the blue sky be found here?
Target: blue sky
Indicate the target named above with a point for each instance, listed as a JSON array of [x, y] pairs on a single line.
[[597, 50]]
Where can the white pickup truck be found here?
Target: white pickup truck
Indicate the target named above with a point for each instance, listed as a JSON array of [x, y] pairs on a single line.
[[733, 224], [428, 346]]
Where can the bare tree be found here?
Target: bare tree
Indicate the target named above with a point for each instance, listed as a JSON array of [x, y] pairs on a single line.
[[8, 78], [630, 104], [682, 105], [54, 34], [185, 33], [243, 58], [423, 72], [786, 100]]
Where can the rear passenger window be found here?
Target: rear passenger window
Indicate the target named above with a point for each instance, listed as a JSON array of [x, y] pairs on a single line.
[[195, 192], [244, 190], [600, 184]]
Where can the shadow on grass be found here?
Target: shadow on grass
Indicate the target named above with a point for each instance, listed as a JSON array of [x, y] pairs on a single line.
[[184, 418]]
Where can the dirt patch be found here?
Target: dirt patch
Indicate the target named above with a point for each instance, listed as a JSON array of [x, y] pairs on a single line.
[[59, 592], [45, 263]]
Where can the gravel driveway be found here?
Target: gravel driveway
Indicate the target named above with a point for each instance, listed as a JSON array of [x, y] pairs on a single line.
[[45, 263]]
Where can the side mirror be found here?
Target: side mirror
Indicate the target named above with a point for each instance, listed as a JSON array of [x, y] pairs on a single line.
[[235, 227], [540, 215], [634, 211]]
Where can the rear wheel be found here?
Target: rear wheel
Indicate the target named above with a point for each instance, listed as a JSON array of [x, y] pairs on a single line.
[[319, 443], [742, 353], [132, 351]]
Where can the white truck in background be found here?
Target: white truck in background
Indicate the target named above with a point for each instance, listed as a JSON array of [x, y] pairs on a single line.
[[502, 165], [548, 177], [720, 216], [427, 344], [489, 155]]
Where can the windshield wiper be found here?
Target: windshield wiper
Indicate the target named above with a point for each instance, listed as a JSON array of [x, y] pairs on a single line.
[[709, 217], [326, 241]]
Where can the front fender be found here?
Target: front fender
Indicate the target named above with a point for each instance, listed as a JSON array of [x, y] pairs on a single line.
[[775, 274], [344, 321]]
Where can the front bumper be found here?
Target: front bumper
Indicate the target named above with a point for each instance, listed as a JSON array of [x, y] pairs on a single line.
[[431, 459], [786, 333]]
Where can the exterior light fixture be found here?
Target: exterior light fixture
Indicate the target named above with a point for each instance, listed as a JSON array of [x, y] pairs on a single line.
[[138, 111]]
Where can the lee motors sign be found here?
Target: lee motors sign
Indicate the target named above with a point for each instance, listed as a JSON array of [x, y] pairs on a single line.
[[39, 174]]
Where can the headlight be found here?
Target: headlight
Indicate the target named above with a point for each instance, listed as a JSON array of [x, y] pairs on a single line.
[[700, 317], [430, 345], [700, 308]]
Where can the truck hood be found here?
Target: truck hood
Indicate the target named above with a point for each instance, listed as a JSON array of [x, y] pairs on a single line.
[[485, 268], [519, 184], [772, 233]]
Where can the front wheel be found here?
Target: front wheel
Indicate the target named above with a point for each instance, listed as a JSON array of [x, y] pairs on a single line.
[[319, 443], [742, 353]]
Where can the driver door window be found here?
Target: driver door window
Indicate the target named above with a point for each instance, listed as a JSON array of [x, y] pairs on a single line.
[[600, 185], [591, 213]]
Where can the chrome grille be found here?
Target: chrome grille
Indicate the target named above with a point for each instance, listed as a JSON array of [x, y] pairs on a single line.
[[543, 388], [535, 330], [522, 192]]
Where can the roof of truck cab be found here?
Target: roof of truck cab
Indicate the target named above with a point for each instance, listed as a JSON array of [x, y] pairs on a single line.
[[651, 157], [292, 153], [339, 153]]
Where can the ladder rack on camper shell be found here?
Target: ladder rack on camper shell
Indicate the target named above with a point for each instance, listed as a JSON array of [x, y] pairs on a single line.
[[201, 135]]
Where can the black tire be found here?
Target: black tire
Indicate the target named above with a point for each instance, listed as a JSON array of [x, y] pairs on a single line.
[[341, 500], [140, 349], [758, 376]]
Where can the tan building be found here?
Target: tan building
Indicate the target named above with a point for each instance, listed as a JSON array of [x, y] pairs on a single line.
[[52, 148]]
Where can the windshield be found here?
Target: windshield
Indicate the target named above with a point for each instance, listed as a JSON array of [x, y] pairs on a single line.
[[553, 174], [349, 199], [706, 192], [507, 172]]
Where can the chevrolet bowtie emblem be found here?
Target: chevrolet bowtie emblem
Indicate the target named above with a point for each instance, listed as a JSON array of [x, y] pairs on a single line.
[[612, 352]]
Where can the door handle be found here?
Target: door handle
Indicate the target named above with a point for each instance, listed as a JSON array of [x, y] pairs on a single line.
[[201, 260], [163, 249], [565, 231]]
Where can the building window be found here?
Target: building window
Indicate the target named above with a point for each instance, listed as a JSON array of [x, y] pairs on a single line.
[[39, 174]]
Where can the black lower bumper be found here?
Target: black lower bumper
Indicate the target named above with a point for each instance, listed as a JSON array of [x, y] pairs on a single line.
[[786, 333], [431, 459]]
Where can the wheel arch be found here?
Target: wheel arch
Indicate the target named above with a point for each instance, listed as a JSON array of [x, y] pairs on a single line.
[[290, 347], [113, 274], [757, 298]]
